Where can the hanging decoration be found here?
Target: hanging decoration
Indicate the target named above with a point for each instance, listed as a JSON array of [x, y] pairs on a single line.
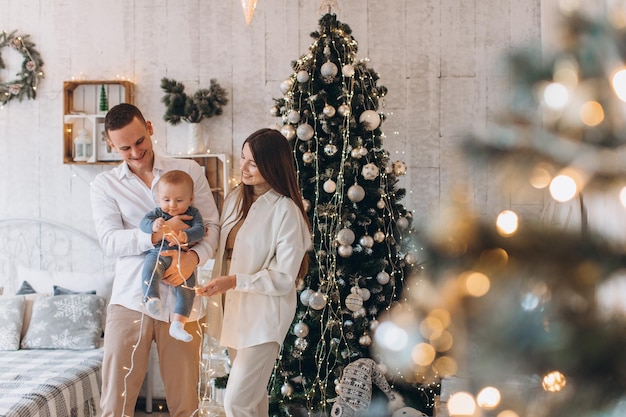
[[27, 81], [248, 9]]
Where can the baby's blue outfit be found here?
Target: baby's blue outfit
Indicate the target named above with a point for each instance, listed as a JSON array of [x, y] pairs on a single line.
[[150, 283]]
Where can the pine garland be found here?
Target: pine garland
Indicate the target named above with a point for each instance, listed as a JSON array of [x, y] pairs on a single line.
[[205, 103], [25, 85]]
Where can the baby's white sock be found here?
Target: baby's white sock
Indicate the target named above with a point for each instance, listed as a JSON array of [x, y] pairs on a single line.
[[177, 331], [153, 305]]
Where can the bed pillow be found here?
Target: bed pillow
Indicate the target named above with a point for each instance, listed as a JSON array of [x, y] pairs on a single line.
[[72, 322], [58, 290], [11, 317], [43, 281]]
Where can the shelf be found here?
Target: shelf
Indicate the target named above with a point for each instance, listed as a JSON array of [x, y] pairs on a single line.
[[81, 104], [216, 170]]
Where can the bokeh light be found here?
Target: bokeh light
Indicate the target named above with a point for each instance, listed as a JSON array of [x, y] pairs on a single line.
[[461, 404], [553, 381], [618, 81], [423, 354], [592, 113], [541, 176], [507, 223], [390, 336], [556, 96], [488, 398], [563, 188], [475, 283]]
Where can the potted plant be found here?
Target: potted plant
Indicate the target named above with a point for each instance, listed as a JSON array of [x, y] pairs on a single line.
[[203, 104]]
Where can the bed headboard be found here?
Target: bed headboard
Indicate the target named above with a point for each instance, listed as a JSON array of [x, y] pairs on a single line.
[[46, 245]]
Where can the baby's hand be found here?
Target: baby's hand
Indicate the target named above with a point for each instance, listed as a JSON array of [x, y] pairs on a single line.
[[158, 224], [176, 238]]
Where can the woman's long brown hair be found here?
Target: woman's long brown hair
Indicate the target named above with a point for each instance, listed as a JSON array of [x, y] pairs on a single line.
[[274, 159]]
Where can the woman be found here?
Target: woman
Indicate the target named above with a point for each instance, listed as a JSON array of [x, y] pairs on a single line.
[[262, 253]]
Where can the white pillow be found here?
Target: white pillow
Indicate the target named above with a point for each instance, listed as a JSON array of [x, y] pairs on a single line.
[[43, 281], [11, 317]]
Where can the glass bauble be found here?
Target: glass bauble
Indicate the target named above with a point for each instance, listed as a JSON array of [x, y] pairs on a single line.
[[286, 86], [301, 329], [317, 301], [354, 302], [288, 131], [345, 251], [293, 116], [305, 132], [302, 76], [330, 186], [382, 277], [345, 236], [356, 193], [369, 119], [370, 171]]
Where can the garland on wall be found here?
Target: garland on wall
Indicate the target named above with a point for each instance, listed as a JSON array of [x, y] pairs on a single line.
[[25, 85]]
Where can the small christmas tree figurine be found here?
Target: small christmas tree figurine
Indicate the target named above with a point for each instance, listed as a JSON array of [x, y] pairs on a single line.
[[104, 101]]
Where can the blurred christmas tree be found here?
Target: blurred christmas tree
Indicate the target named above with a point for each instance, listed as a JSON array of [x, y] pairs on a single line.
[[538, 310], [363, 237]]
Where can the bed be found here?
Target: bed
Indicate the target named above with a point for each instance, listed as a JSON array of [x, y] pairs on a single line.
[[55, 284]]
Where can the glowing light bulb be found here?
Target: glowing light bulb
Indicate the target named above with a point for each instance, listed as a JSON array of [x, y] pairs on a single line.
[[507, 223], [488, 398], [618, 81], [553, 381], [563, 188], [461, 404], [592, 113], [556, 96]]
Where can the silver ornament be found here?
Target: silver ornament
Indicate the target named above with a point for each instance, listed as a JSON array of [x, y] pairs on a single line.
[[344, 110], [317, 301], [354, 302], [300, 343], [288, 131], [302, 76], [286, 390], [356, 193], [301, 329], [345, 251], [382, 277], [366, 241], [305, 296], [363, 151], [286, 86], [293, 116], [347, 70], [329, 111], [402, 223], [330, 186], [305, 132], [328, 69], [369, 119], [345, 236]]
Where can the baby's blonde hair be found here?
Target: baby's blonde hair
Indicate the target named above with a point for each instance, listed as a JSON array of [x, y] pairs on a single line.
[[177, 177]]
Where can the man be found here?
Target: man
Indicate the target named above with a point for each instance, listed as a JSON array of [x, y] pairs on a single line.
[[119, 199]]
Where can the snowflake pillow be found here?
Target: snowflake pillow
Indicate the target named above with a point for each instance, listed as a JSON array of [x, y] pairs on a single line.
[[72, 322], [11, 316]]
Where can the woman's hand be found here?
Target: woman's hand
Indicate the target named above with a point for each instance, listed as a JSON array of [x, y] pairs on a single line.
[[188, 262], [218, 285]]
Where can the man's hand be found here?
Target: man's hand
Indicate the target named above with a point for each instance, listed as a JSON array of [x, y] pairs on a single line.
[[188, 262]]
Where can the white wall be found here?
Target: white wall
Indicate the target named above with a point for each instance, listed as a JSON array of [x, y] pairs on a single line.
[[438, 58]]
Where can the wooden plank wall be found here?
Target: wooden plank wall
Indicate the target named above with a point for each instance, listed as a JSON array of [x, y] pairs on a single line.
[[438, 58]]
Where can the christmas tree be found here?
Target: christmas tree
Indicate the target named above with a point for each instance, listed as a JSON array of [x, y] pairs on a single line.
[[537, 308], [364, 247]]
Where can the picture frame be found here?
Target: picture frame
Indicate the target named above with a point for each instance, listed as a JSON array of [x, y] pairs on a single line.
[[104, 151]]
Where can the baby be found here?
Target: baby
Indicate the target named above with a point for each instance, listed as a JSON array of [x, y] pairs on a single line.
[[175, 196]]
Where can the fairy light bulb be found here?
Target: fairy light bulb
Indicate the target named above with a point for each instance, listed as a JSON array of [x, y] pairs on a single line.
[[488, 398], [554, 381], [618, 81], [563, 188], [507, 223], [556, 96], [461, 404]]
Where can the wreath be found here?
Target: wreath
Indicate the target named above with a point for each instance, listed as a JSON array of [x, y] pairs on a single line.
[[25, 85]]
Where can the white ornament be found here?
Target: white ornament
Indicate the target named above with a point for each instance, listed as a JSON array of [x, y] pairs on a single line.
[[356, 193], [370, 119], [305, 296], [330, 186], [288, 131], [286, 85], [345, 236], [370, 171], [345, 251], [410, 258], [354, 302], [308, 157], [328, 110], [302, 76], [382, 277], [293, 116], [402, 223], [286, 390], [347, 70], [317, 301], [366, 241], [301, 329], [305, 132], [328, 70], [363, 151], [344, 110]]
